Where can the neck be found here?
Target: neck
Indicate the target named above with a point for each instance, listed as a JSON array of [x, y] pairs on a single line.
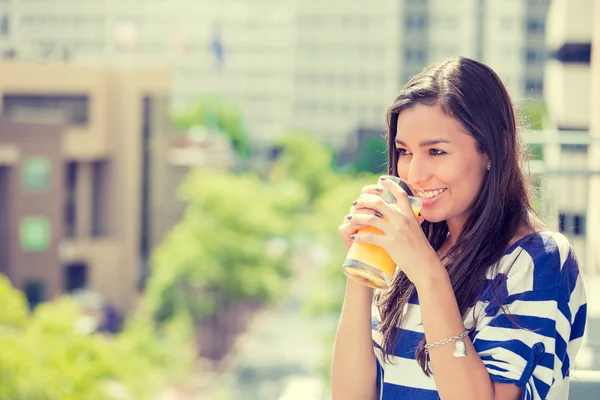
[[455, 225]]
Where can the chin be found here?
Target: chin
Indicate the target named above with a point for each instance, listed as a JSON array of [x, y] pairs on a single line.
[[433, 217]]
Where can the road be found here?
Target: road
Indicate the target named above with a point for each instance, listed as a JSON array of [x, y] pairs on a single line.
[[278, 357]]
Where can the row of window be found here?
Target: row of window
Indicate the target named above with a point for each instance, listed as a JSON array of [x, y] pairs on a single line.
[[366, 111], [374, 80], [346, 21], [74, 107]]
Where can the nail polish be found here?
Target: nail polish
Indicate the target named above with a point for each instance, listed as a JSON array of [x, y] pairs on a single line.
[[355, 203], [349, 217], [378, 214]]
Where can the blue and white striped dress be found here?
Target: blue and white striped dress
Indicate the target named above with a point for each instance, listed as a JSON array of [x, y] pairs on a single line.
[[542, 290]]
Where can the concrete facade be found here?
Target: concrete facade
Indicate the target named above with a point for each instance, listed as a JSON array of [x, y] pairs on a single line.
[[110, 117]]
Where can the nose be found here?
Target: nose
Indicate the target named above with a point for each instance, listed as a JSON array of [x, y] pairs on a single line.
[[419, 171]]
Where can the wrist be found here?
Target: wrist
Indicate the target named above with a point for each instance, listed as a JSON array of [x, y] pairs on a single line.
[[432, 277]]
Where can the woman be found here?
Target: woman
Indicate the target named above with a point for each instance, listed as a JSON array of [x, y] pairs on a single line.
[[486, 302]]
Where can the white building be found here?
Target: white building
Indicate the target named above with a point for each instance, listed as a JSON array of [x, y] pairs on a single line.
[[346, 65], [568, 98], [323, 67]]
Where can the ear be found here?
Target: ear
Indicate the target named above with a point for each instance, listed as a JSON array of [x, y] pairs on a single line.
[[486, 162]]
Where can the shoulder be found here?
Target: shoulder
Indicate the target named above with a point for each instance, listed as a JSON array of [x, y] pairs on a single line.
[[540, 261]]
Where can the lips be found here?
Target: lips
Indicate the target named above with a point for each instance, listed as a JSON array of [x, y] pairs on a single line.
[[430, 196]]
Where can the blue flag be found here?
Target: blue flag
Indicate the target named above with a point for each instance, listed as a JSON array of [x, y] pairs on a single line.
[[217, 45]]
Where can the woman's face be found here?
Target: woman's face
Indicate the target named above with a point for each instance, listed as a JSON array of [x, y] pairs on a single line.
[[436, 153]]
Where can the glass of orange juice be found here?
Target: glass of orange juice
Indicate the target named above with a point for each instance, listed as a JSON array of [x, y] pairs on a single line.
[[369, 264]]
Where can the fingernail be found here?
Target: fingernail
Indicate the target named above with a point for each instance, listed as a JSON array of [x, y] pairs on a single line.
[[349, 217], [378, 214], [383, 178], [378, 190], [352, 237], [355, 203]]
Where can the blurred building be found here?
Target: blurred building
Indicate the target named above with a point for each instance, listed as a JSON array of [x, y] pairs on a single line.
[[79, 193], [31, 204], [593, 159], [567, 92], [328, 68], [347, 65]]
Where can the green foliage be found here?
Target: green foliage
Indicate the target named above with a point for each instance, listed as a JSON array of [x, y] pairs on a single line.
[[534, 111], [536, 151], [328, 291], [213, 112], [44, 357], [308, 162], [226, 246], [372, 156]]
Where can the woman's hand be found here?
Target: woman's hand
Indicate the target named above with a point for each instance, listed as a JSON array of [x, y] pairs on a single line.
[[351, 224], [402, 237]]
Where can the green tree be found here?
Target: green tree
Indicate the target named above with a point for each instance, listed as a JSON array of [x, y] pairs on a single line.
[[215, 113], [45, 357], [230, 244], [307, 161], [372, 156], [534, 113]]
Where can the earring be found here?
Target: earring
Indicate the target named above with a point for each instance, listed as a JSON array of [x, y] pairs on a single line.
[[489, 167]]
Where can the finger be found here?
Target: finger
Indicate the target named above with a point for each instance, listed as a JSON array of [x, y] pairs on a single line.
[[374, 220], [350, 226], [372, 202], [373, 189], [420, 220], [402, 202], [371, 238]]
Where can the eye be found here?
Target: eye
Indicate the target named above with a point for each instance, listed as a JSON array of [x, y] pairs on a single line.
[[436, 152], [402, 152]]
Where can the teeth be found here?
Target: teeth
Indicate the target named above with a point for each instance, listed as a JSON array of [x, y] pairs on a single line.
[[433, 193]]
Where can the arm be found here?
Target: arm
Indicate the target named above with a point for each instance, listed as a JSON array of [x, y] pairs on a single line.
[[354, 370], [455, 378]]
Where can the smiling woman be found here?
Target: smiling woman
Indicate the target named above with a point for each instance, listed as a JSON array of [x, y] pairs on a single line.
[[486, 302]]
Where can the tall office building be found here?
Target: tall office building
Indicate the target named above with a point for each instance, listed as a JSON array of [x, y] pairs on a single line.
[[568, 97], [328, 68], [346, 65]]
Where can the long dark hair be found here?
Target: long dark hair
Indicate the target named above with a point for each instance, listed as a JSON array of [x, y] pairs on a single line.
[[471, 93]]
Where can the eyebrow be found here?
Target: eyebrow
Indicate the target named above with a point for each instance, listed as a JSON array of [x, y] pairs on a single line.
[[425, 143]]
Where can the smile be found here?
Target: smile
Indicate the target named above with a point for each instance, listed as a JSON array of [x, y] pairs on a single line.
[[431, 193]]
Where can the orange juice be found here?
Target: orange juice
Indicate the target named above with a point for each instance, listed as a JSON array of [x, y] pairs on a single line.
[[370, 264]]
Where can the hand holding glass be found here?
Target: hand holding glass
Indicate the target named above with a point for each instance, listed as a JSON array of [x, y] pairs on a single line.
[[369, 264]]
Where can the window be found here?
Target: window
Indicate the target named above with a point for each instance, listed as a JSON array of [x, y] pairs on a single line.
[[101, 195], [70, 184], [145, 206], [535, 26], [4, 26], [535, 85], [415, 21], [4, 220], [35, 292], [534, 57], [75, 277], [75, 107], [572, 224]]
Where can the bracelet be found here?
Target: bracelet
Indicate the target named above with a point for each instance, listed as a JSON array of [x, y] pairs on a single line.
[[460, 349]]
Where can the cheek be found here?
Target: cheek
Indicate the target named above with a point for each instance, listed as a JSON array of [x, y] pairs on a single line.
[[465, 179]]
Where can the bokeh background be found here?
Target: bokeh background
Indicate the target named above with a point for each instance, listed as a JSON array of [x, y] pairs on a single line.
[[172, 175]]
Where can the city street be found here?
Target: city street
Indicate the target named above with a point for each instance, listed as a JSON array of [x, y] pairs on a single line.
[[279, 355]]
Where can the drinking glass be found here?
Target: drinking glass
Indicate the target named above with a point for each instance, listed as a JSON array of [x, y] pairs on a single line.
[[370, 264]]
